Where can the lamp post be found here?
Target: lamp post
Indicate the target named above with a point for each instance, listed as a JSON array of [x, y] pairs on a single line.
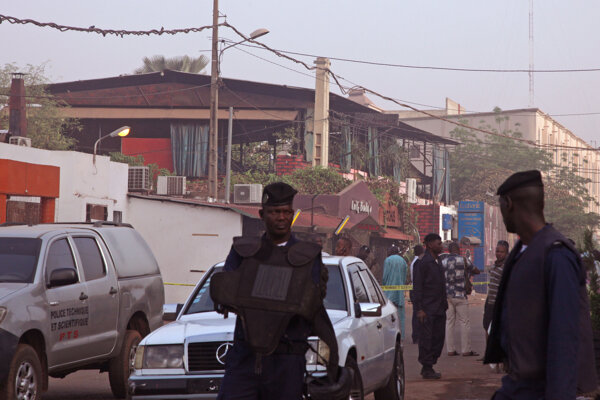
[[122, 132], [214, 100]]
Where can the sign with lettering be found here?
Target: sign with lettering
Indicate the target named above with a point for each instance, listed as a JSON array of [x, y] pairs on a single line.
[[360, 207]]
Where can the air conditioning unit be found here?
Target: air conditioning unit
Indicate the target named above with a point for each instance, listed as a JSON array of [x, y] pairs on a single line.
[[170, 185], [139, 179], [20, 141], [411, 190], [247, 193]]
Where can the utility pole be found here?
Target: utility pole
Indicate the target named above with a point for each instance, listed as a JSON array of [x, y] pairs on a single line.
[[214, 107], [531, 97], [321, 115]]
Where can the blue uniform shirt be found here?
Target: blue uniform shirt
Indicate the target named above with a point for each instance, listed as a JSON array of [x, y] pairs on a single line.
[[562, 286]]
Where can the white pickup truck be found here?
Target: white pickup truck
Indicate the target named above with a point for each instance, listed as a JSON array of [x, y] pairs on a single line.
[[186, 358], [73, 296]]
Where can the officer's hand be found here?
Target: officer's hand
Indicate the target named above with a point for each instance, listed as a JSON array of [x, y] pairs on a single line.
[[421, 316]]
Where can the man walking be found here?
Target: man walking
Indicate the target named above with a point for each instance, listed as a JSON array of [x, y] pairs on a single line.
[[394, 274], [494, 274], [429, 287], [343, 247], [419, 252], [458, 271], [541, 325]]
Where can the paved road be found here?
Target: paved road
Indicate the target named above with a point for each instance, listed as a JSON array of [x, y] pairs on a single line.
[[462, 377]]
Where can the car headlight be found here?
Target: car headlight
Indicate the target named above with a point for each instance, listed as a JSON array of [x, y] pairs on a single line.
[[167, 356], [2, 314], [322, 352]]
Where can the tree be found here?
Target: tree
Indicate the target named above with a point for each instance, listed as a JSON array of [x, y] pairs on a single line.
[[480, 165], [46, 126], [159, 63]]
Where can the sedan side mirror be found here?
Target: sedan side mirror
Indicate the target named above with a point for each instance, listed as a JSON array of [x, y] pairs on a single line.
[[171, 311], [370, 309], [62, 277]]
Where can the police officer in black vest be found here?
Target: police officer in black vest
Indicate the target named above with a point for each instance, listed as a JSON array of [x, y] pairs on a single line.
[[276, 285], [541, 327]]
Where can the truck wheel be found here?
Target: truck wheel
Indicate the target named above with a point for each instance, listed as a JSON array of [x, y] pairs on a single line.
[[24, 380], [356, 392], [121, 366], [394, 388]]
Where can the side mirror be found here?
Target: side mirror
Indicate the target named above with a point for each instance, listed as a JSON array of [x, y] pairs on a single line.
[[62, 277], [370, 309], [171, 311]]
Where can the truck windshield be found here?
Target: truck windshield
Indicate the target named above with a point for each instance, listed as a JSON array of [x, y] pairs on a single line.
[[335, 299], [18, 259]]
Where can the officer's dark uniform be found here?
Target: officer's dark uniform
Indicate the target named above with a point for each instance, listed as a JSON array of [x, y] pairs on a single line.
[[279, 375], [429, 295], [541, 326]]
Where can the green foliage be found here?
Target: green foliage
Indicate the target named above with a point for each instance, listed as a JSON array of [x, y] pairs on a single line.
[[45, 125], [315, 180], [590, 255], [192, 65], [481, 164], [257, 157]]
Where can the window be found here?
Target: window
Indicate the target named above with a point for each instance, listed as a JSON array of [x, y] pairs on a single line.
[[370, 286], [360, 293], [59, 256], [18, 259], [91, 258], [336, 295], [202, 300], [96, 212]]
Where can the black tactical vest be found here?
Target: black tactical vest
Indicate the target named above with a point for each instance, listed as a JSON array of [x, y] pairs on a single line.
[[271, 285], [523, 291]]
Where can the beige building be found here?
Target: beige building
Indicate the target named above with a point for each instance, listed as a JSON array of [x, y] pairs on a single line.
[[532, 123]]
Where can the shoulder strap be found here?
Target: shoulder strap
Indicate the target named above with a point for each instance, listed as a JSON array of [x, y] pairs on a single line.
[[301, 253]]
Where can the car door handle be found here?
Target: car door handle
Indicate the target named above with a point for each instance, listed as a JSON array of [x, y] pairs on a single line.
[[112, 290], [393, 318], [83, 296], [379, 325], [54, 303]]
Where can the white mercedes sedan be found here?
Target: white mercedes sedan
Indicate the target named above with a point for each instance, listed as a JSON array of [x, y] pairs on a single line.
[[185, 359]]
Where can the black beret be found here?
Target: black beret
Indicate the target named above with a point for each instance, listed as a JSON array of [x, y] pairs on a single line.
[[519, 180], [278, 194]]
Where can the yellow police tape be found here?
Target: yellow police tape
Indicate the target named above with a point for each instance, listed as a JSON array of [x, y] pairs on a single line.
[[392, 288], [179, 284]]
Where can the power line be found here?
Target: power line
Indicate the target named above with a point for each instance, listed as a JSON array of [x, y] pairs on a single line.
[[103, 32]]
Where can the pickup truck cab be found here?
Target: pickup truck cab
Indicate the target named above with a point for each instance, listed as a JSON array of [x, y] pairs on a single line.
[[73, 296]]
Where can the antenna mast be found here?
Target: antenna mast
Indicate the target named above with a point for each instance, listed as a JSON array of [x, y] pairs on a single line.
[[531, 53]]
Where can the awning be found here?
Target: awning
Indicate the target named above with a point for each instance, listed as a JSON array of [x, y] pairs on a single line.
[[396, 234]]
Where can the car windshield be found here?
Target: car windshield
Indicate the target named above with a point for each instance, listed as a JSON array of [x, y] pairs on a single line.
[[18, 259], [335, 299]]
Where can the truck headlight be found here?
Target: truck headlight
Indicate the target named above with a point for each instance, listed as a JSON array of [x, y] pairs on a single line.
[[2, 314], [167, 356], [322, 352]]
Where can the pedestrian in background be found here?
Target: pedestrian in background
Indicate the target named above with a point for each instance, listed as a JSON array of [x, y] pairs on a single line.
[[458, 271], [419, 252], [394, 273], [494, 276], [429, 285], [343, 247], [541, 325], [364, 253]]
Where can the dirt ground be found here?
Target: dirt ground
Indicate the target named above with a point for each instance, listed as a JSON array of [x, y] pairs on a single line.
[[462, 377]]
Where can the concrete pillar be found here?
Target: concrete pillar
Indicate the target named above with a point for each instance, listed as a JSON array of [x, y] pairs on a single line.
[[47, 207], [321, 121], [3, 208]]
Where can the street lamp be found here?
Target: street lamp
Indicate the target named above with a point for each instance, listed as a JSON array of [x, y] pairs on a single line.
[[214, 102], [122, 132]]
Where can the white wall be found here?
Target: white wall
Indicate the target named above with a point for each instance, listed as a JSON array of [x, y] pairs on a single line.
[[183, 236], [80, 182]]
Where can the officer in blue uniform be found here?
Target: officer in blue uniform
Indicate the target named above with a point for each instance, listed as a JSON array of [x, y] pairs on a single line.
[[541, 327], [279, 375]]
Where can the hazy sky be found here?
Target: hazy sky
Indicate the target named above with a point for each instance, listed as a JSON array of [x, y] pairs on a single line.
[[451, 33]]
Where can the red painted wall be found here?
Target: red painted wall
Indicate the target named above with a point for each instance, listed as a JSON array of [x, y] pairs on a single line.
[[154, 151]]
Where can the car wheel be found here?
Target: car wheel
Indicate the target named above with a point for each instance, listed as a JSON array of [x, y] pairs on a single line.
[[394, 388], [24, 380], [121, 366], [356, 393]]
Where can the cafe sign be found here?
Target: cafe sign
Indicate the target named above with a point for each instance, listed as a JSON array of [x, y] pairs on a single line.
[[360, 207]]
